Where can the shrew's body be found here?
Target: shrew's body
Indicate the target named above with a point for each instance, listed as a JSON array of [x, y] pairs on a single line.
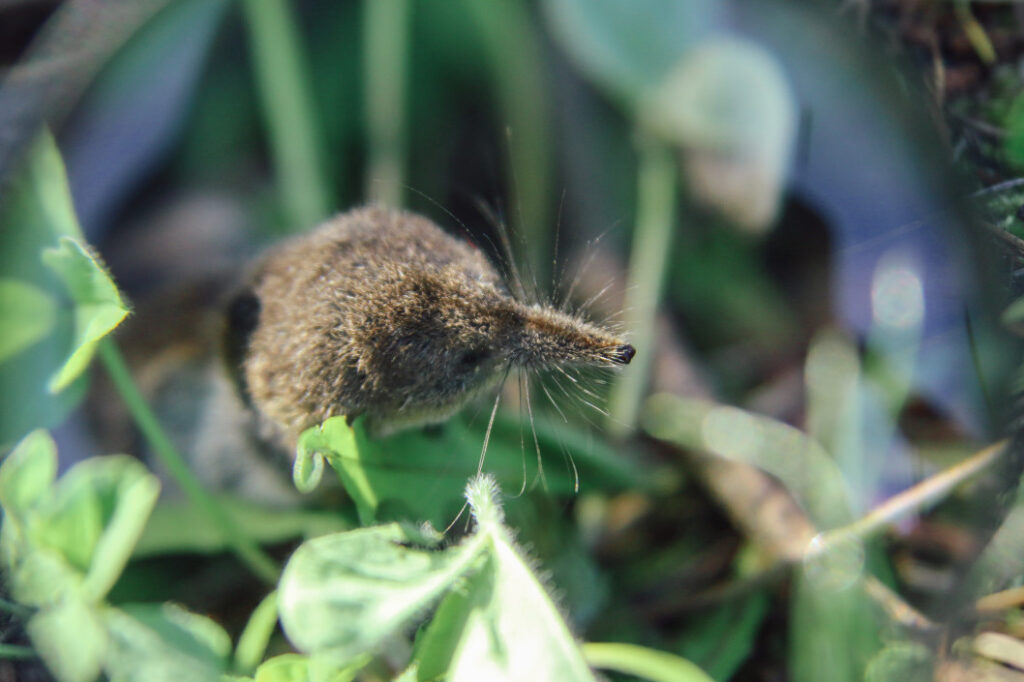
[[380, 313]]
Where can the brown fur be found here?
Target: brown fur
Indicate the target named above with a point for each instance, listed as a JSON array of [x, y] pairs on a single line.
[[380, 313]]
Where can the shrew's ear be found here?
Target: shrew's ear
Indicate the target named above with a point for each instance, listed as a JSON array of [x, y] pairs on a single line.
[[243, 316]]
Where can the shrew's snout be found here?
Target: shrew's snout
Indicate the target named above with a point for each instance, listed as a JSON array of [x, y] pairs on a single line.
[[623, 354]]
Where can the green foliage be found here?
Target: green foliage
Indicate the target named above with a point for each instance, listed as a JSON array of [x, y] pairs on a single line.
[[651, 665], [1013, 145], [64, 543], [720, 642], [56, 299], [418, 477], [98, 307], [29, 314], [628, 48], [799, 461], [343, 596]]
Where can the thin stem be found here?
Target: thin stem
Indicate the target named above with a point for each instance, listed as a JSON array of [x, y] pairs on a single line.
[[282, 77], [243, 546], [22, 612], [513, 52], [929, 490], [386, 41], [1000, 601], [14, 651], [652, 238]]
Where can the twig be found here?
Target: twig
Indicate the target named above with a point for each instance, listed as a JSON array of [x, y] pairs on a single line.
[[915, 497]]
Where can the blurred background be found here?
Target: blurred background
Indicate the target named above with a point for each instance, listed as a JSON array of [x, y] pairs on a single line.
[[804, 211]]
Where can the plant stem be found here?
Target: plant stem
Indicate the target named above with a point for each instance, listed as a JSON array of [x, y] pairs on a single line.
[[22, 612], [14, 651], [252, 643], [914, 498], [652, 240], [282, 77], [514, 55], [385, 44], [244, 547]]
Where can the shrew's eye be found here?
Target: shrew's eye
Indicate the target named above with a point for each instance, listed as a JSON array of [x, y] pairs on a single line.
[[473, 357]]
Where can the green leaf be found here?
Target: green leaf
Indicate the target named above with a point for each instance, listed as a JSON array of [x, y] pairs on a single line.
[[642, 662], [337, 441], [833, 632], [97, 512], [722, 640], [728, 105], [1013, 316], [28, 314], [904, 661], [35, 210], [42, 190], [70, 639], [98, 305], [153, 643], [38, 576], [342, 595], [627, 47], [410, 674], [512, 630], [308, 468], [177, 526], [796, 459], [284, 668], [27, 473], [297, 668], [252, 643], [1013, 144], [419, 477]]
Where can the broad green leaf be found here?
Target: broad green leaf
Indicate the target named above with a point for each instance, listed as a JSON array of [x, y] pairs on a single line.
[[252, 643], [420, 477], [97, 512], [98, 304], [834, 631], [722, 640], [38, 576], [154, 643], [284, 668], [27, 473], [727, 104], [177, 527], [904, 661], [1002, 560], [27, 314], [71, 640], [409, 674], [298, 668], [42, 191], [642, 662], [513, 631], [797, 460], [35, 210], [342, 595], [339, 444], [627, 47], [436, 645]]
